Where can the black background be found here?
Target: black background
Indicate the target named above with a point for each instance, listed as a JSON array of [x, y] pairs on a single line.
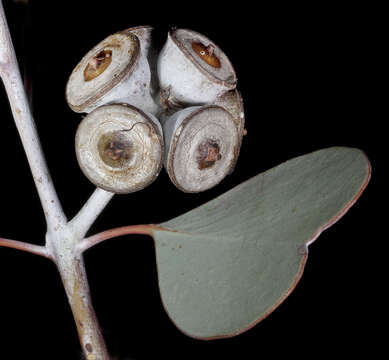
[[309, 80]]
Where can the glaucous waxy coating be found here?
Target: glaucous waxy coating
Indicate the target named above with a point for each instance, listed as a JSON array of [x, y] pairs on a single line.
[[120, 148], [232, 102], [116, 70], [202, 144], [148, 49], [193, 69]]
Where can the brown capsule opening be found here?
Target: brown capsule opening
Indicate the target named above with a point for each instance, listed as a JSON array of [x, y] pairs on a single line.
[[208, 154], [115, 149], [206, 53], [89, 347], [97, 64]]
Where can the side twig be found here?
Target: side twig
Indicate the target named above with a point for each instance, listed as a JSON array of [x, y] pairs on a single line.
[[20, 245], [87, 243], [90, 211]]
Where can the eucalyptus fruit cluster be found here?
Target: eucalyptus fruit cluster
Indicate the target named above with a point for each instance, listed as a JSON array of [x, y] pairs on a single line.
[[176, 107]]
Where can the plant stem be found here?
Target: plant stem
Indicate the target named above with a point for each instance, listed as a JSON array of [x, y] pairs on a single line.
[[90, 211], [77, 289], [61, 237], [87, 243], [19, 245], [10, 74]]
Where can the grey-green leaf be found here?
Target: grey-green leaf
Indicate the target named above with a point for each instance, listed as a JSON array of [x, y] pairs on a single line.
[[226, 265]]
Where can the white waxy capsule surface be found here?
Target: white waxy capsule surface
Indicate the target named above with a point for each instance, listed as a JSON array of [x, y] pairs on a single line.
[[114, 71], [202, 144], [193, 69], [120, 148]]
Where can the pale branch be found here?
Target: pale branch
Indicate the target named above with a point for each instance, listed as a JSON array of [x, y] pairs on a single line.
[[72, 270], [90, 211], [10, 74], [61, 237], [20, 245], [93, 240]]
